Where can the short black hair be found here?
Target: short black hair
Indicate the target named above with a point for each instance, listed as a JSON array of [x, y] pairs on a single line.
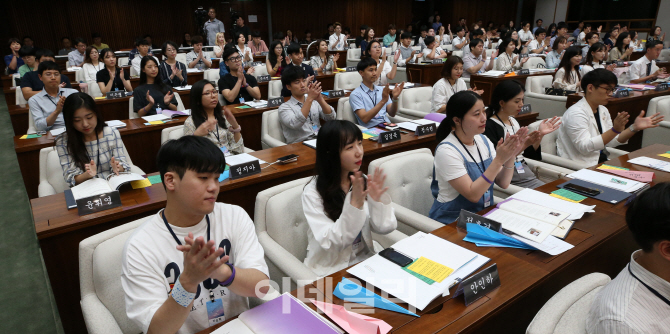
[[13, 40], [78, 40], [64, 38], [429, 40], [458, 29], [143, 41], [406, 35], [587, 25], [475, 42], [255, 33], [197, 39], [41, 53], [538, 20], [235, 17], [292, 73], [598, 77], [147, 35], [95, 35], [293, 48], [539, 31], [364, 27], [365, 63], [25, 51], [561, 25], [648, 217], [477, 32], [424, 28], [229, 52], [47, 65], [652, 44], [195, 153]]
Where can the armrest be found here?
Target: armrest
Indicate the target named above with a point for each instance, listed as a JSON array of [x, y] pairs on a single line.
[[615, 152], [271, 141], [658, 135], [546, 97], [511, 189], [412, 113], [415, 219], [285, 261], [558, 161], [545, 169], [45, 189], [97, 317], [398, 119]]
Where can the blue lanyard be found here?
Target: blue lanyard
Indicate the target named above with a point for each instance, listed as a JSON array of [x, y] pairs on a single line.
[[374, 102], [656, 293], [481, 169], [172, 232]]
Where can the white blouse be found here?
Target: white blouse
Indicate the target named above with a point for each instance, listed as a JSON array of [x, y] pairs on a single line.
[[383, 80], [560, 80], [90, 71], [443, 90], [335, 245]]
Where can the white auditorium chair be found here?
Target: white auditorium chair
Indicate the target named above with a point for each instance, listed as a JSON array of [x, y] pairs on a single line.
[[547, 105], [131, 113], [31, 124], [94, 89], [282, 230], [344, 112], [20, 100], [222, 100], [534, 62], [353, 57], [550, 153], [271, 130], [181, 57], [457, 53], [212, 75], [489, 53], [660, 134], [415, 103], [173, 132], [664, 56], [260, 70], [67, 64], [180, 105], [274, 89], [14, 77], [449, 48], [122, 61], [79, 75], [567, 310], [51, 173], [415, 48], [347, 80]]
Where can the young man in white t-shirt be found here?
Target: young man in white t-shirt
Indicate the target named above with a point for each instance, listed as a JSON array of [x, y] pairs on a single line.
[[197, 270]]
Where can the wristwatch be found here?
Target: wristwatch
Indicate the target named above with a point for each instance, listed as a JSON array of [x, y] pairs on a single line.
[[632, 128]]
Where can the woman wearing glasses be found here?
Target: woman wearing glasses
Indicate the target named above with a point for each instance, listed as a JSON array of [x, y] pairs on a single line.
[[209, 120]]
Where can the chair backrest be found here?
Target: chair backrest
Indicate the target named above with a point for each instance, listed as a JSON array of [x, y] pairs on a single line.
[[489, 52], [408, 177], [537, 84], [548, 142], [173, 132], [567, 310], [122, 61], [271, 126], [181, 57], [31, 123], [664, 56], [354, 53], [67, 64], [344, 111], [274, 89], [415, 48], [222, 101], [347, 80], [457, 53], [14, 77], [211, 75], [180, 105], [659, 104], [20, 100], [79, 75], [260, 70], [131, 113], [94, 89], [416, 99], [535, 62], [449, 48], [100, 261], [133, 72], [279, 213]]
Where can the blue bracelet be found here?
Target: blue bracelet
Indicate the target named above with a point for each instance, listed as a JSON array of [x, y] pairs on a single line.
[[615, 131], [230, 279], [487, 180], [180, 295]]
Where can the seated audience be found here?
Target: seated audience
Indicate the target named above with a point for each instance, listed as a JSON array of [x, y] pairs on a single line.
[[443, 37], [331, 31], [299, 116], [437, 24], [637, 300], [561, 31], [142, 51], [13, 61], [581, 38], [407, 54], [88, 148], [112, 77], [172, 72], [611, 40], [580, 27], [385, 71], [236, 86], [76, 57], [152, 93], [587, 128], [591, 38], [525, 35], [308, 38], [186, 43], [67, 46], [567, 77], [46, 105], [97, 42], [519, 47], [475, 61], [257, 45], [136, 51], [507, 61], [595, 59], [210, 120], [27, 54], [540, 44], [197, 58], [370, 103], [290, 37], [31, 83], [645, 69], [243, 50], [461, 39], [538, 24], [656, 35], [91, 64], [360, 38], [342, 206], [433, 49], [390, 37], [450, 84], [419, 38], [275, 61], [466, 167], [369, 37], [323, 61], [220, 44], [337, 41], [296, 56], [147, 38], [240, 27], [176, 239], [506, 102], [635, 43]]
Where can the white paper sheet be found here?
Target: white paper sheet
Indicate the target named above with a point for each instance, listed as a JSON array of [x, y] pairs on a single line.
[[257, 104], [91, 187], [539, 212], [241, 158], [157, 117], [235, 326], [551, 245], [187, 87], [576, 210], [56, 132], [493, 73], [413, 124], [193, 70], [651, 163], [115, 124], [607, 180], [311, 143], [116, 181], [529, 228]]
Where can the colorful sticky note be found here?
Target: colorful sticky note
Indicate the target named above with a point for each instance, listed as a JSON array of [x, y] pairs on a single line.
[[100, 97], [243, 107], [35, 135], [366, 136], [352, 322], [140, 184], [156, 122], [612, 167], [569, 195], [563, 198], [633, 175], [24, 137], [419, 276], [431, 269], [665, 155], [154, 179]]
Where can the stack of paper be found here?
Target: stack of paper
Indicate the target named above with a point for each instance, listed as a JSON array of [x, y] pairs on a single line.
[[115, 124], [484, 237], [530, 221], [154, 118], [608, 181], [493, 73], [651, 163], [56, 132], [575, 210], [413, 124], [242, 158], [257, 104], [352, 322], [187, 87], [193, 70]]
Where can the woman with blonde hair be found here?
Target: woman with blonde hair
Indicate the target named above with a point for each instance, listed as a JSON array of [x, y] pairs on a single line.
[[220, 44]]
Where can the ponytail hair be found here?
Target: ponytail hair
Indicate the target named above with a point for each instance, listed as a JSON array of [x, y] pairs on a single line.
[[504, 91], [458, 105]]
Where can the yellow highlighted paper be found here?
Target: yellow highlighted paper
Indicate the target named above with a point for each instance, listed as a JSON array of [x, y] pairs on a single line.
[[141, 184], [431, 269], [564, 198], [366, 136], [611, 167], [665, 155], [24, 137], [156, 122]]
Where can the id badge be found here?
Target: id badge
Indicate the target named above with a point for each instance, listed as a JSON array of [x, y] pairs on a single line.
[[241, 99], [215, 312], [487, 198], [225, 151], [357, 241], [315, 129], [519, 167]]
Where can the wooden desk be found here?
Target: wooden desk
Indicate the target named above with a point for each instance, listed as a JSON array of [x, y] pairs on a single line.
[[488, 84], [60, 230], [632, 104], [637, 55], [6, 81], [10, 95], [342, 61], [427, 74]]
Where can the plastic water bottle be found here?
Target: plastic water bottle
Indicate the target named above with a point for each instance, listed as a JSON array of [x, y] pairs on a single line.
[[83, 87]]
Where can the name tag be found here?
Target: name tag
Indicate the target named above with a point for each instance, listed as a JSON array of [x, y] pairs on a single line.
[[335, 93], [390, 136], [276, 102], [523, 55], [621, 93], [438, 61], [467, 217], [116, 94], [351, 69], [256, 63], [98, 203], [479, 284], [265, 53], [620, 64], [245, 169], [661, 87], [427, 129], [263, 78], [525, 109], [525, 71]]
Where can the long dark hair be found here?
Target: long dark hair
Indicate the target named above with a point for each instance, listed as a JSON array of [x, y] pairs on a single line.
[[367, 50], [103, 53], [549, 31], [449, 65], [76, 147], [332, 138], [504, 91], [272, 57], [458, 105], [594, 48], [566, 63], [619, 42], [502, 47], [143, 75], [197, 111], [186, 43], [87, 54]]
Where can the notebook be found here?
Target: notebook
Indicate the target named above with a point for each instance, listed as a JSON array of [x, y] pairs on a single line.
[[97, 186], [284, 314], [527, 220], [311, 143]]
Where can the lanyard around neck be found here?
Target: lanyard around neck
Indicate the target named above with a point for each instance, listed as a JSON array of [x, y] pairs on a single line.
[[172, 232], [504, 127], [652, 290], [481, 169]]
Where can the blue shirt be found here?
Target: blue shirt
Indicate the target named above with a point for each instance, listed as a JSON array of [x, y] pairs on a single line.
[[8, 59], [553, 59], [364, 98]]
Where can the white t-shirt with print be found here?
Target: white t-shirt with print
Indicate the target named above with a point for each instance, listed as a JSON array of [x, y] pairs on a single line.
[[152, 264]]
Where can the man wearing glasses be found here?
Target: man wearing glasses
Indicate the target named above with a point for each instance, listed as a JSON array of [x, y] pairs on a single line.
[[588, 129], [46, 106], [236, 86], [31, 83]]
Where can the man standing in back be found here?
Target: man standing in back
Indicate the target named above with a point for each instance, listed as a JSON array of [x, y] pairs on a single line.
[[213, 26]]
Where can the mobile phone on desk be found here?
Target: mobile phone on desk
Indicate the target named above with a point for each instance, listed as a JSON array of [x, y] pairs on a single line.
[[287, 159], [582, 190], [396, 257]]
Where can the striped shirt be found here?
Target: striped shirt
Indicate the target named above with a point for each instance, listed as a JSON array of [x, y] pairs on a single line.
[[626, 306]]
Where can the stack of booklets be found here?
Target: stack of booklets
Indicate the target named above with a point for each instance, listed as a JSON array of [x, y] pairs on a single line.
[[530, 221], [610, 181], [97, 186], [284, 314], [484, 237], [413, 124]]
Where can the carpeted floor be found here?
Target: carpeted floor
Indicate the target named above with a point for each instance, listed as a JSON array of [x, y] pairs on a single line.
[[26, 302]]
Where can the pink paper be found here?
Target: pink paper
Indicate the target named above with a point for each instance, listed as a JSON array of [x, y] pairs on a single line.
[[352, 322], [633, 175]]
